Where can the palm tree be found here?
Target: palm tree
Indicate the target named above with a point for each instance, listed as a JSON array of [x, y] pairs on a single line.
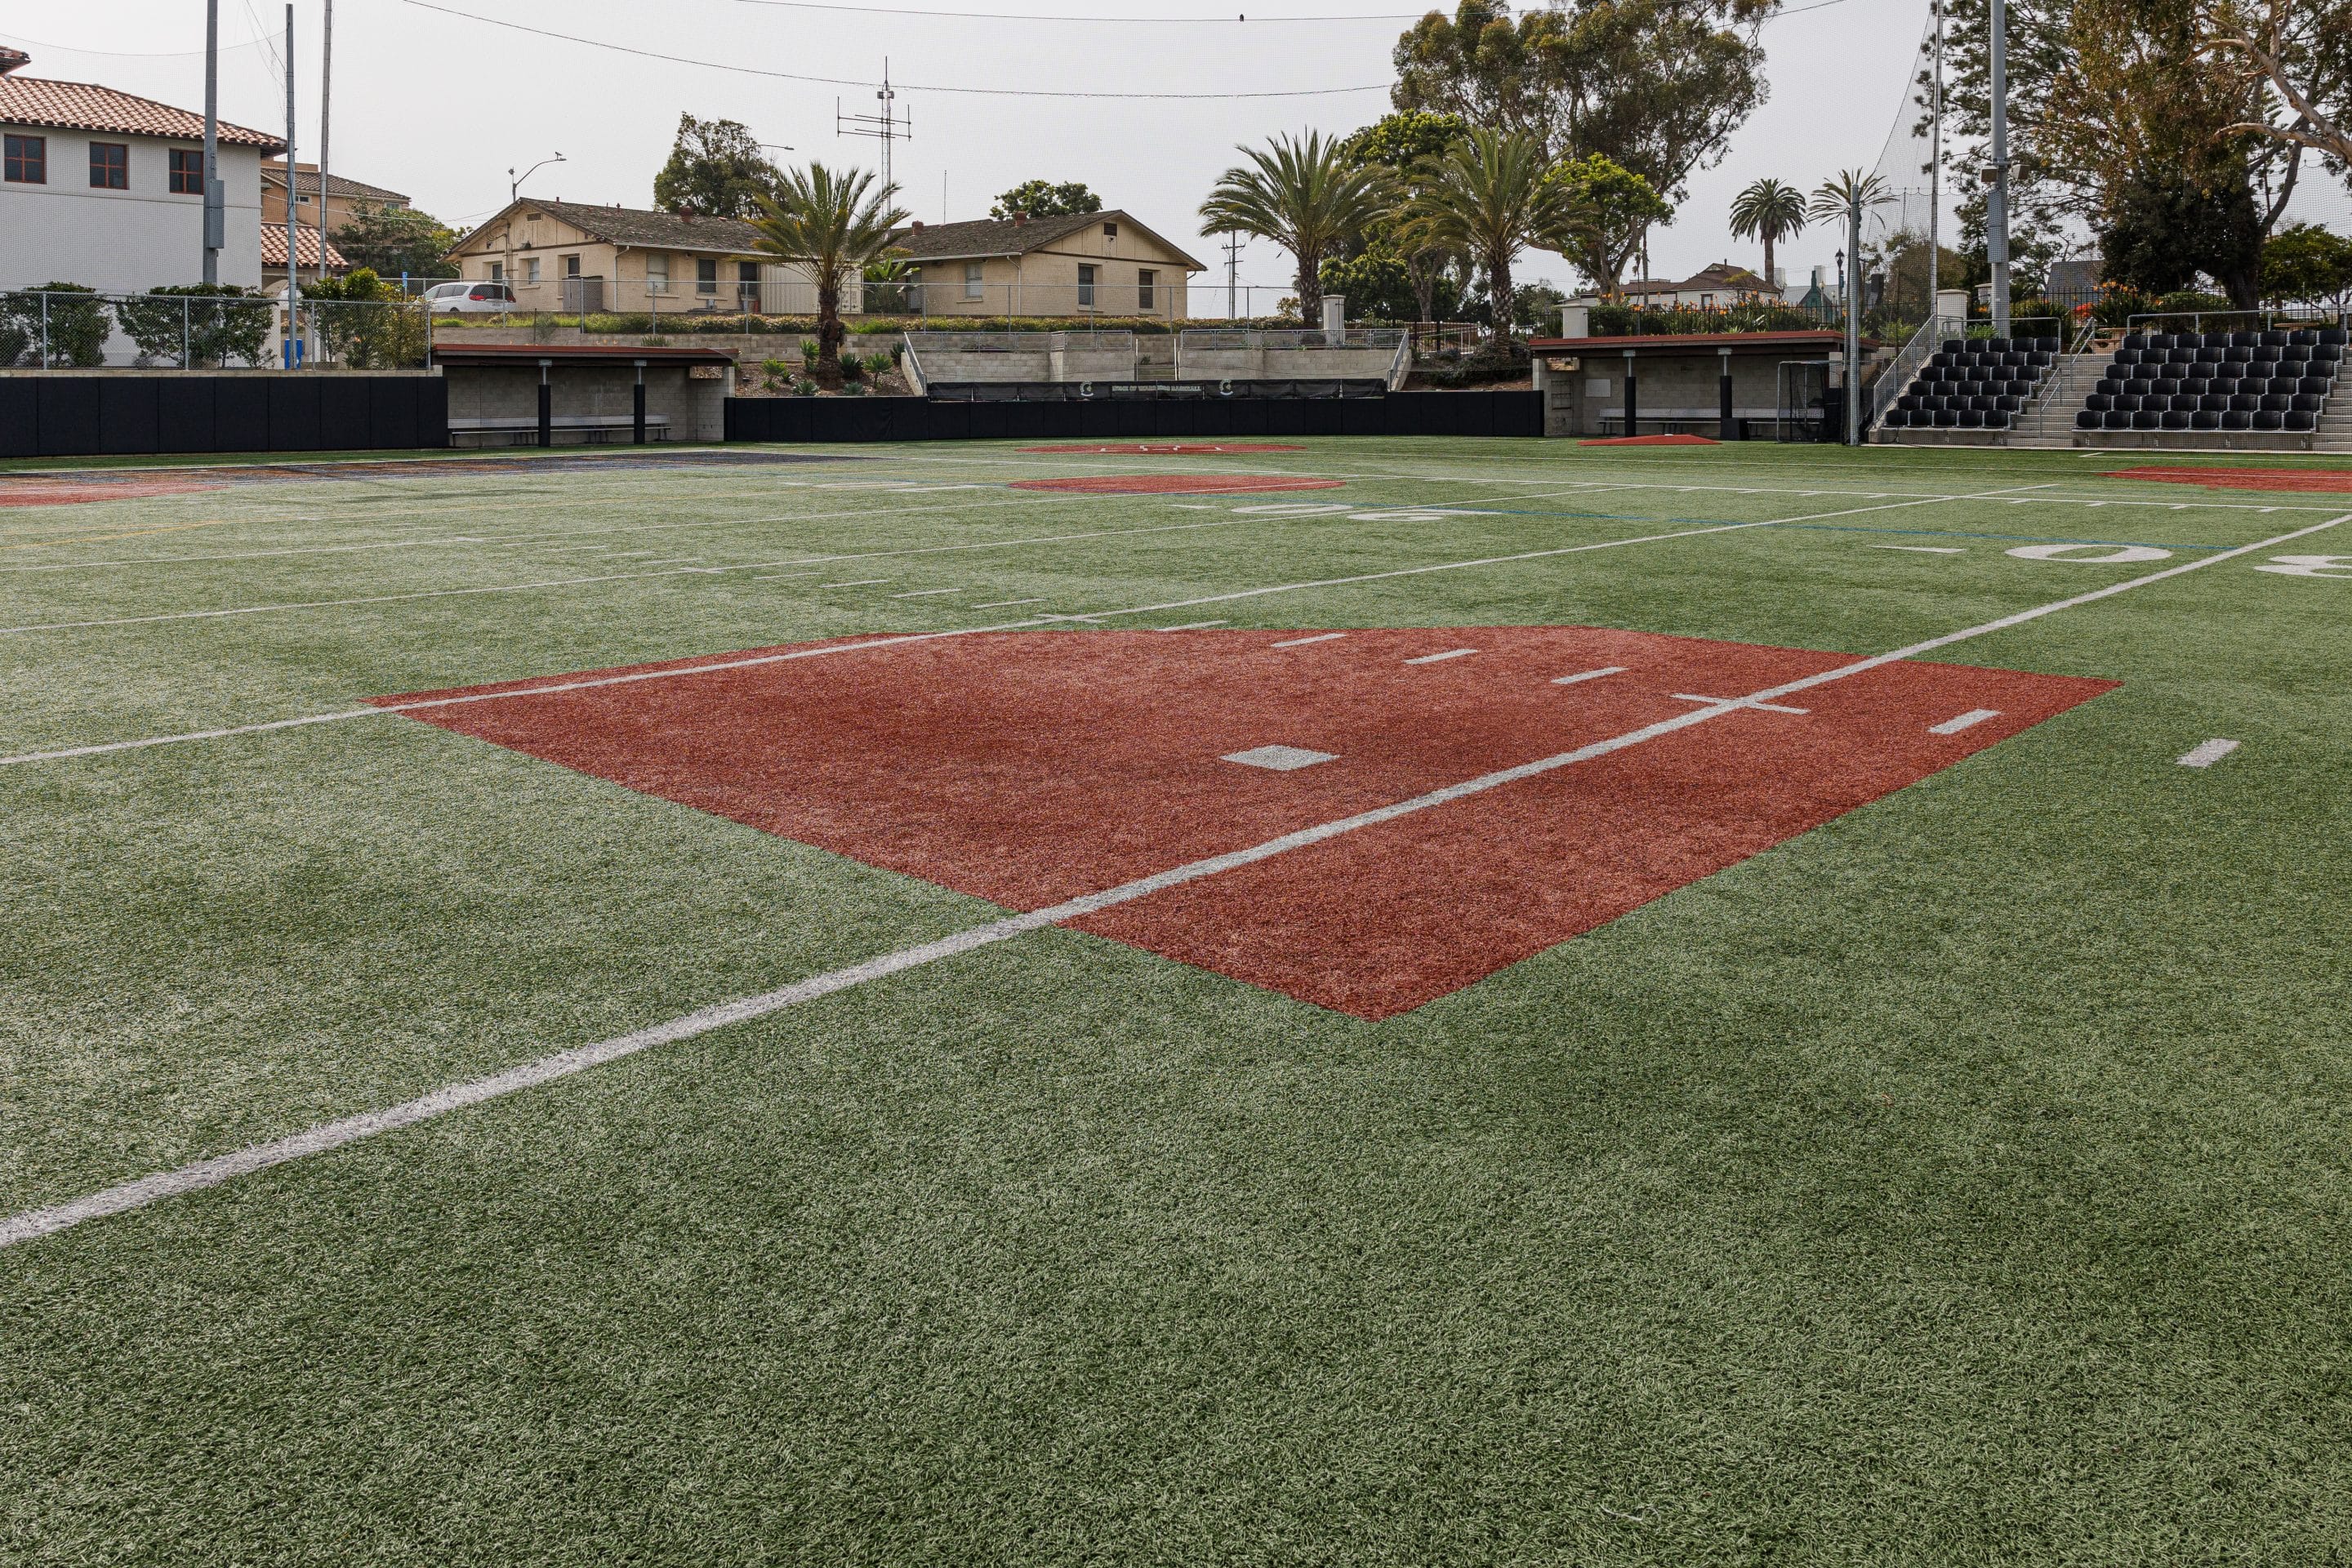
[[833, 223], [1771, 212], [1305, 195], [1486, 196]]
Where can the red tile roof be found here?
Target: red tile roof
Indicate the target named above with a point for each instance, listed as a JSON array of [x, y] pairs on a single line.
[[306, 246], [80, 106]]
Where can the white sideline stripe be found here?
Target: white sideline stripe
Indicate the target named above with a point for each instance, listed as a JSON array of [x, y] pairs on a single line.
[[1442, 658], [2207, 754], [1302, 642], [1736, 702], [1191, 627], [832, 648], [1925, 549], [35, 1223], [1588, 675], [1969, 720]]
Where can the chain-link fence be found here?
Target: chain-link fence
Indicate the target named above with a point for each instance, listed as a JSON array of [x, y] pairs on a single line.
[[190, 328]]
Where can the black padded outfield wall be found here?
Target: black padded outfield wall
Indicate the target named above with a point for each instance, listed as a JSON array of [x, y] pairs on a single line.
[[921, 419], [124, 413]]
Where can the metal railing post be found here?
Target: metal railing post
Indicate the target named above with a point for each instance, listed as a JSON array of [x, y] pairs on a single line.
[[184, 331]]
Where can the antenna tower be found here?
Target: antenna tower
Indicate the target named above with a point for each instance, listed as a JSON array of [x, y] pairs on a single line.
[[887, 127]]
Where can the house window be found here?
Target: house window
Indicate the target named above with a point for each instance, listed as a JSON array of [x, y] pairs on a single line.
[[1145, 281], [747, 285], [530, 270], [973, 289], [571, 266], [706, 274], [1111, 231], [497, 271], [26, 160], [109, 166], [657, 274], [188, 172], [1085, 286]]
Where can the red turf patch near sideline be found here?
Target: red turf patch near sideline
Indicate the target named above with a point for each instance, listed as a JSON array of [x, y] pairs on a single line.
[[1180, 484], [1161, 450], [1029, 767], [2299, 481], [1651, 441], [32, 491]]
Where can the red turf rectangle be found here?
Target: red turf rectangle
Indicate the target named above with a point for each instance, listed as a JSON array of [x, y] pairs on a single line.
[[1032, 767]]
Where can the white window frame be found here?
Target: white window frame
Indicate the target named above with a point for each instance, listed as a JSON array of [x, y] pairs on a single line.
[[1088, 273], [1147, 285], [975, 280], [657, 273]]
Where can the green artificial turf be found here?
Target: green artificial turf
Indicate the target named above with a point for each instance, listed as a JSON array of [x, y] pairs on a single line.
[[1961, 1183]]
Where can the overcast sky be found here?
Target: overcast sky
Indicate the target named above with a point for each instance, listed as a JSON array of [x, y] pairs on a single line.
[[441, 106]]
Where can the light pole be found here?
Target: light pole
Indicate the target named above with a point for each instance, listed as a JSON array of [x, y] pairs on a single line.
[[514, 194], [1997, 195]]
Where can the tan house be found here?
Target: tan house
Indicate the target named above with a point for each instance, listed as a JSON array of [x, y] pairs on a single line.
[[570, 256], [344, 197], [1101, 263], [1716, 286]]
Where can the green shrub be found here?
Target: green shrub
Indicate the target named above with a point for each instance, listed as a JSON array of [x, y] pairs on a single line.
[[209, 322], [76, 328], [804, 388]]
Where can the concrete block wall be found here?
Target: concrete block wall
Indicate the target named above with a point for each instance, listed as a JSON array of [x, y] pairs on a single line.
[[696, 409]]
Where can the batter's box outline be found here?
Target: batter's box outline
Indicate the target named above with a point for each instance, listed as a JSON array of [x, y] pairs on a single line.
[[1032, 768]]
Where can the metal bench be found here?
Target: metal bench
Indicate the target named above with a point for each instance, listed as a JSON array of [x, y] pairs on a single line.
[[563, 430]]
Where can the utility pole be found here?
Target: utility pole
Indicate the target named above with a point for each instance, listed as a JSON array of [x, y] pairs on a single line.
[[886, 127], [293, 224], [215, 218], [1233, 274], [1854, 321], [1996, 194], [1935, 169], [326, 95]]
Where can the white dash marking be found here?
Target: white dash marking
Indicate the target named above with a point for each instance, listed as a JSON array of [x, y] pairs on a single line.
[[1001, 603], [1737, 702], [927, 593], [1925, 549], [1584, 675], [1302, 642], [1967, 720], [860, 582], [1191, 627], [2205, 754], [1280, 759], [781, 576], [1442, 658]]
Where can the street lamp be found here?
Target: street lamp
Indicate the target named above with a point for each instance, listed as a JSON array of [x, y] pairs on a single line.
[[514, 194]]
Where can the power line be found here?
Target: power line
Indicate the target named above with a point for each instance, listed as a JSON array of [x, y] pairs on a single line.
[[912, 87], [1156, 21], [136, 53]]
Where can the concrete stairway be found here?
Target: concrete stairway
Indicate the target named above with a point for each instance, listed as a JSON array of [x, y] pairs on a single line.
[[1155, 356], [2050, 420], [2334, 431]]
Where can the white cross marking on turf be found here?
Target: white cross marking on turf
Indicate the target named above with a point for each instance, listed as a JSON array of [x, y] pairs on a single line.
[[1280, 759], [1736, 702]]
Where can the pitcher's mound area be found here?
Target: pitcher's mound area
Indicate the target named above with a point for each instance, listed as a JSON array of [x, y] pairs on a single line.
[[1180, 484], [1028, 768], [1161, 450]]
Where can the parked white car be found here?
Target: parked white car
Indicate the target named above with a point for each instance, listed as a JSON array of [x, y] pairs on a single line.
[[470, 298]]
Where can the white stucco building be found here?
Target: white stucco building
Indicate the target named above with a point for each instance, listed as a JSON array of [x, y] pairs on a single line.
[[106, 188]]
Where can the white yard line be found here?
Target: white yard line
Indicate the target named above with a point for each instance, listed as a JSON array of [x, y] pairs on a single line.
[[831, 650], [1303, 642], [1584, 675], [1442, 658], [135, 1195], [1736, 702], [2206, 753], [1193, 626], [1006, 603], [1925, 549], [1967, 720], [927, 593]]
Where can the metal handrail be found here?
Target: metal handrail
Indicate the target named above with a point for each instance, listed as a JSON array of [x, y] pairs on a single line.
[[1905, 367]]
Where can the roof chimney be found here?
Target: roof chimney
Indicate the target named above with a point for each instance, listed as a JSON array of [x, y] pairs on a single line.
[[1020, 218], [918, 227]]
